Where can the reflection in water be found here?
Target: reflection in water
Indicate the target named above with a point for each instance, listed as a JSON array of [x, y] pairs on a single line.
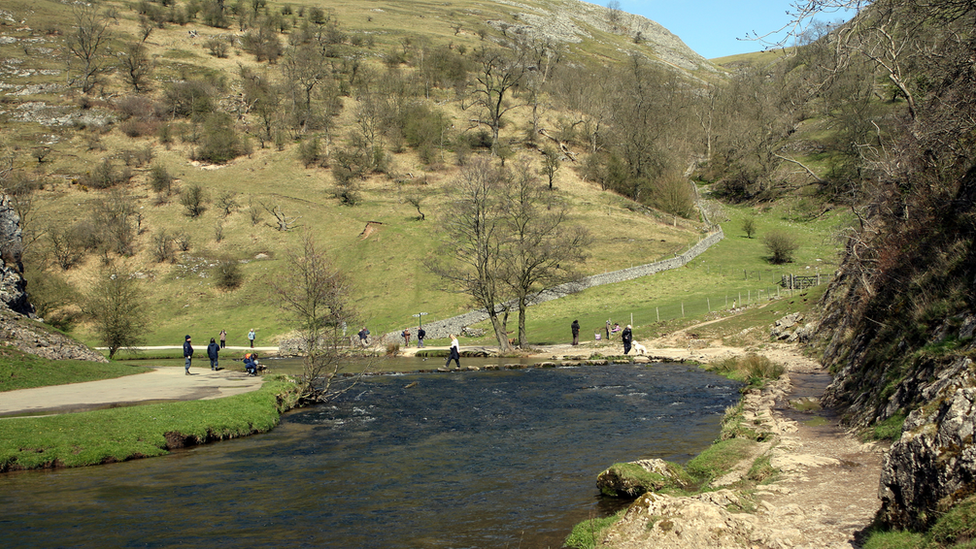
[[479, 459]]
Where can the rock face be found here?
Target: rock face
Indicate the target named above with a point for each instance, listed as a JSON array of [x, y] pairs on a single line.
[[17, 327], [13, 287], [933, 465]]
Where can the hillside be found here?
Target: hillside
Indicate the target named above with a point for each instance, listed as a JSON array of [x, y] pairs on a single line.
[[103, 171]]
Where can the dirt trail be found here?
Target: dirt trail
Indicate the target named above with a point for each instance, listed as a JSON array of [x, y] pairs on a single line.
[[826, 491]]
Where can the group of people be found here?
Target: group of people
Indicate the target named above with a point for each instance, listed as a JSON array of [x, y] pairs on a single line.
[[213, 352], [626, 334]]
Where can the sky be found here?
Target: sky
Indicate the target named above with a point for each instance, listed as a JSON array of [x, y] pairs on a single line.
[[713, 27]]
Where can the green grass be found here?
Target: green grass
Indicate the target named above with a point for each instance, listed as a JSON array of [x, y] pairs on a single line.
[[585, 534], [118, 434], [889, 429], [22, 371]]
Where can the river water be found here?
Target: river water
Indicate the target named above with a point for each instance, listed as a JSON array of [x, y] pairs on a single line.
[[500, 459]]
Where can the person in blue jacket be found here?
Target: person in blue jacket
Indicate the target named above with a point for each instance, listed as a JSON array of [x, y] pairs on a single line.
[[212, 351], [250, 364], [187, 353]]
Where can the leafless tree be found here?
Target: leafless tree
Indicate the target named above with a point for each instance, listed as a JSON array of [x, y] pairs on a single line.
[[474, 236], [316, 295], [88, 41], [498, 73], [136, 66], [540, 248], [283, 222]]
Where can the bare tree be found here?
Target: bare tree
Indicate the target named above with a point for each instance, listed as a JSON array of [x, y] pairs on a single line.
[[509, 240], [316, 295], [136, 66], [88, 42], [116, 306], [540, 249], [498, 73], [550, 163], [473, 233], [283, 222]]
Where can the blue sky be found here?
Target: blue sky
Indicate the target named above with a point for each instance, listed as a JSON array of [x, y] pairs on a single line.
[[711, 27]]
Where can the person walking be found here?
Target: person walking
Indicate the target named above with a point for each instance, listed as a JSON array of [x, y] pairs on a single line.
[[421, 334], [187, 354], [406, 338], [627, 337], [455, 353], [608, 329], [575, 329], [364, 336], [212, 351], [251, 335], [223, 338]]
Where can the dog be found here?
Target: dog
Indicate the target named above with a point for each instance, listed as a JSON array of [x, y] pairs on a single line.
[[640, 349]]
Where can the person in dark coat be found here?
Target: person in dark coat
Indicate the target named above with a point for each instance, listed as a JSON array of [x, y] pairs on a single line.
[[575, 328], [421, 334], [187, 353], [212, 351], [455, 353], [627, 337]]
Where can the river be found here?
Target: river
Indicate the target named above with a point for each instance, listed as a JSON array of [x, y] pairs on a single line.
[[489, 459]]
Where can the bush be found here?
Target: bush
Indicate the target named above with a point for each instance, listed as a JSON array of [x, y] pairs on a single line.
[[162, 247], [194, 200], [220, 142], [781, 247], [160, 180], [228, 275]]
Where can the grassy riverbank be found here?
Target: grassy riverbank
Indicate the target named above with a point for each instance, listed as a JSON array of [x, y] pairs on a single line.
[[23, 371], [119, 434]]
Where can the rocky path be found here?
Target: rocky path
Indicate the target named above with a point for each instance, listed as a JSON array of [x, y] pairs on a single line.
[[824, 496]]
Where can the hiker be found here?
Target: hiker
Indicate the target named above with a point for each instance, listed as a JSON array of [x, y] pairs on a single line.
[[406, 338], [250, 337], [364, 336], [251, 364], [187, 353], [575, 327], [455, 353], [421, 334], [223, 338], [627, 337], [212, 351]]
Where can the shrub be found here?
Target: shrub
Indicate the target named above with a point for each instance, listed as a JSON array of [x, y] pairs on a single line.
[[227, 274], [781, 247], [194, 200], [160, 180], [220, 142], [162, 247]]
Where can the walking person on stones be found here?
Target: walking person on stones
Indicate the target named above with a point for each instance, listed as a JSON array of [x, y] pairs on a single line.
[[187, 354], [212, 351], [627, 337], [455, 353], [575, 327]]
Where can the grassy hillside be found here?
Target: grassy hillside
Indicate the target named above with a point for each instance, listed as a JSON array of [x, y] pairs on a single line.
[[60, 138]]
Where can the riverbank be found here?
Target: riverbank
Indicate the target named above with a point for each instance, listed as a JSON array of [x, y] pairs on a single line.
[[119, 434], [819, 488]]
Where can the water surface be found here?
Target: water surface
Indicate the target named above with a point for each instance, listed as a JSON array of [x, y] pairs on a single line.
[[461, 460]]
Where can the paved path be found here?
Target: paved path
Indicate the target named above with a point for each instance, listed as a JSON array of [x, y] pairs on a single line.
[[159, 384]]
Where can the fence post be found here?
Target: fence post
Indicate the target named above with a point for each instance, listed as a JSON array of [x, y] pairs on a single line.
[[657, 311], [708, 302], [682, 309]]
